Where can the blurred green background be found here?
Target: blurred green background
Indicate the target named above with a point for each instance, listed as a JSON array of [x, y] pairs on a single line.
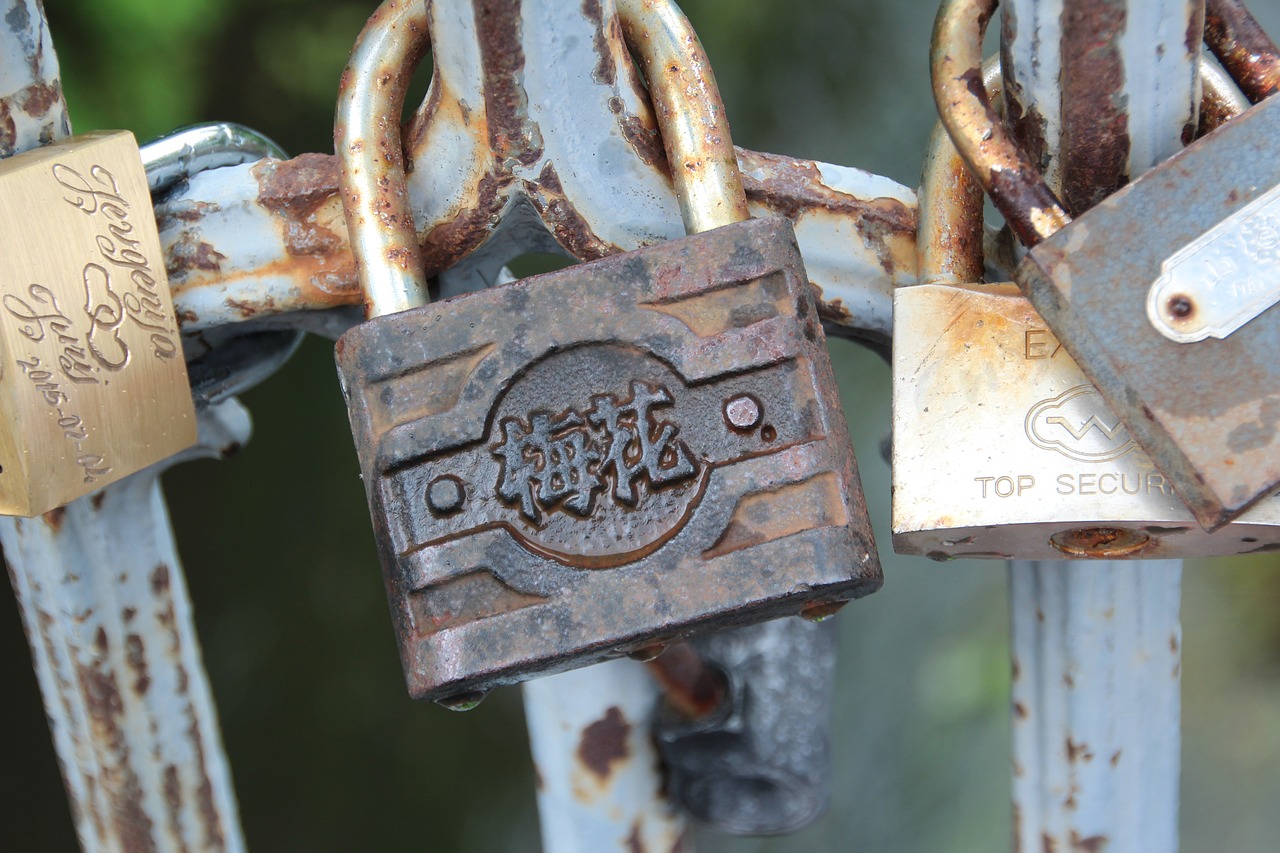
[[327, 752]]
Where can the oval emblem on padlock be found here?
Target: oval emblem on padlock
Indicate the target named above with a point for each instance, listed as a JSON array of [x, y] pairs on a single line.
[[1077, 424], [591, 456]]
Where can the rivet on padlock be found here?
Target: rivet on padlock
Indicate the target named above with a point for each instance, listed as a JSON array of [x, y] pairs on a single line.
[[95, 386], [590, 462], [1036, 465], [1208, 412]]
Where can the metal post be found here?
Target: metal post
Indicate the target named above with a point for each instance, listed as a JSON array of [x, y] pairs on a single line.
[[599, 779], [103, 598], [1099, 91]]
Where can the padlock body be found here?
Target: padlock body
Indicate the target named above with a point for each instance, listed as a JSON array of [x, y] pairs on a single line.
[[1002, 448], [581, 464], [93, 378], [1208, 412]]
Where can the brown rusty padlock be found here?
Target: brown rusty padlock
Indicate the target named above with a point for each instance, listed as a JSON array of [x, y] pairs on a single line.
[[586, 463]]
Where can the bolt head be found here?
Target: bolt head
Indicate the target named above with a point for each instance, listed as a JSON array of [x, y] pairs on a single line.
[[445, 494], [742, 411]]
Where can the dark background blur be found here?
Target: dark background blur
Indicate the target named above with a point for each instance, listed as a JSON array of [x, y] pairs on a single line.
[[327, 751]]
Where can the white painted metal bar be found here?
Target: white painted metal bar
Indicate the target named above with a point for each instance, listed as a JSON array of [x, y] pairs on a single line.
[[600, 785], [1097, 645], [103, 599]]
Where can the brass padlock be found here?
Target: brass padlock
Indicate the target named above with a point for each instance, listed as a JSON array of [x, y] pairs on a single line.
[[95, 386], [584, 464], [1189, 247], [1036, 464]]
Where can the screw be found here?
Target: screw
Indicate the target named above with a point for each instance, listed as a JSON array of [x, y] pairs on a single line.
[[742, 411], [445, 494]]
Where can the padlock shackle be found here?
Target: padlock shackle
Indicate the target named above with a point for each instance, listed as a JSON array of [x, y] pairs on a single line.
[[366, 136], [691, 119], [949, 234], [1243, 48], [1004, 171]]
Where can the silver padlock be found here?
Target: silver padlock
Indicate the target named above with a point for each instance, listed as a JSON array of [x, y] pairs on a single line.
[[1164, 292], [1001, 446]]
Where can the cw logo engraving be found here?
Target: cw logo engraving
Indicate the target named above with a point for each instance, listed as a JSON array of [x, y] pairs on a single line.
[[1077, 424]]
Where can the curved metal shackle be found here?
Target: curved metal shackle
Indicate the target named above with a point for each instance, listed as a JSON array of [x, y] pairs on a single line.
[[366, 136], [1001, 167], [977, 145], [686, 100]]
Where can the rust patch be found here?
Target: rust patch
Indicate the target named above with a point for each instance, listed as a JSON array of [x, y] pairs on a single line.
[[512, 134], [604, 743], [1095, 120], [792, 187], [642, 135], [1077, 751], [38, 99], [1047, 843], [568, 226], [690, 685], [55, 517], [1243, 47], [304, 194], [189, 252], [455, 238], [635, 842], [136, 658], [1115, 758], [123, 789], [1020, 710], [160, 579], [1025, 122], [173, 800], [8, 130], [97, 499], [1091, 844], [605, 71]]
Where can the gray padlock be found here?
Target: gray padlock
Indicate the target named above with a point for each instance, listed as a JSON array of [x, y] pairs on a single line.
[[1188, 248], [758, 763]]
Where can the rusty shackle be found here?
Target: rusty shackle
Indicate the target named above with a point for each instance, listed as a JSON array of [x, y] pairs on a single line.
[[367, 136], [965, 94]]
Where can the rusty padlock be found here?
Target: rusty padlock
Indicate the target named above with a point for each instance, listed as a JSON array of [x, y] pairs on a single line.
[[583, 464], [1038, 467], [1192, 240]]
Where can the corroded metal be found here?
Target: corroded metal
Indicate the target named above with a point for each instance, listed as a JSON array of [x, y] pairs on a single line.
[[758, 762], [1096, 647], [601, 784], [366, 135], [1205, 412], [556, 560], [32, 108], [105, 607], [1001, 167], [683, 91], [268, 240], [1243, 48]]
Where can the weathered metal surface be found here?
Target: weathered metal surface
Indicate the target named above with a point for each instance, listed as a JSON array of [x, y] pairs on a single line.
[[1008, 175], [32, 109], [366, 134], [105, 607], [268, 240], [601, 785], [1243, 48], [1096, 646], [690, 685], [1097, 651], [494, 580], [759, 761], [1207, 412], [1048, 471]]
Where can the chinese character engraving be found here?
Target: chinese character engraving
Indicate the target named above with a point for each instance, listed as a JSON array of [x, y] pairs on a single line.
[[563, 461]]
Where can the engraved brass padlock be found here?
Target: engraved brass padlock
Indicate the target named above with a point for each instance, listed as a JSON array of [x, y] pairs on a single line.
[[1037, 466], [1188, 247], [580, 465], [95, 387]]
